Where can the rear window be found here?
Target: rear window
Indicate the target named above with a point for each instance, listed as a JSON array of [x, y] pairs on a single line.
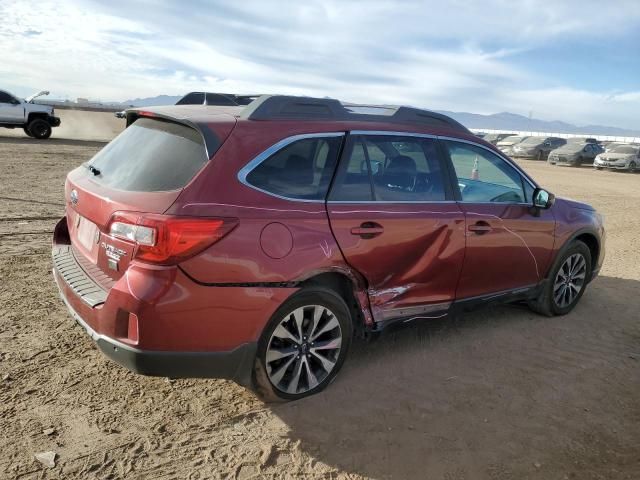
[[151, 156], [301, 170]]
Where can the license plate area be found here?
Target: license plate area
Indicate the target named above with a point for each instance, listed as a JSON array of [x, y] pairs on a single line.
[[87, 233]]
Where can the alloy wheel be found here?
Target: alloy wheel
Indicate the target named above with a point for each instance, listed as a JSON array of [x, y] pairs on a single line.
[[570, 280], [303, 349]]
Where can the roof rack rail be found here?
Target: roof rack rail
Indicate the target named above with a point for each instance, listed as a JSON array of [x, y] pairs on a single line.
[[283, 107]]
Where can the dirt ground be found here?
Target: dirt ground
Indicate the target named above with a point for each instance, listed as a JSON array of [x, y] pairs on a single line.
[[497, 394]]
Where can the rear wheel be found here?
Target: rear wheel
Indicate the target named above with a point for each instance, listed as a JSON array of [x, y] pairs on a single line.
[[304, 345], [39, 129], [566, 282]]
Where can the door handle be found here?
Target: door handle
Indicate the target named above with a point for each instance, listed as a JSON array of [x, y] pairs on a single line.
[[368, 230], [480, 228]]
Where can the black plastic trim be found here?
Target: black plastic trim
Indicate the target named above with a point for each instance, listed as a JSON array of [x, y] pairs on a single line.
[[283, 107]]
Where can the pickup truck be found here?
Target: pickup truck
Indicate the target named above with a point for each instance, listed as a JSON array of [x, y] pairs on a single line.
[[36, 120]]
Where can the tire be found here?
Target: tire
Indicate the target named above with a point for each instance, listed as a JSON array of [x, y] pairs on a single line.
[[553, 300], [598, 168], [284, 358], [26, 130], [632, 167], [540, 155], [39, 129]]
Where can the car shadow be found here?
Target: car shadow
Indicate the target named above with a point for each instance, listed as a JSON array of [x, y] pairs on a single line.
[[53, 141], [497, 393]]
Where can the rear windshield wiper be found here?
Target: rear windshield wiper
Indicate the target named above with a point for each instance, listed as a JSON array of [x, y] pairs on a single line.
[[92, 169]]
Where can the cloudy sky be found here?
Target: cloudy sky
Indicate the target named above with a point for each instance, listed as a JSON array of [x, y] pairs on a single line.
[[577, 61]]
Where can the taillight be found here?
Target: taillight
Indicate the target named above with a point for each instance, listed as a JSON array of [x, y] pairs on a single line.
[[166, 239]]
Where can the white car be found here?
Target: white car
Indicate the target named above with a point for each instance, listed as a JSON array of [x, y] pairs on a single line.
[[506, 144], [622, 157], [36, 120]]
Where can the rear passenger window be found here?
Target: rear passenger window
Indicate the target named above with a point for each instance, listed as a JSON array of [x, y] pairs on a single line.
[[301, 170], [389, 168]]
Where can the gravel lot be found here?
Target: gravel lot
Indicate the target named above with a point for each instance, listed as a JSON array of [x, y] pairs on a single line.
[[496, 394]]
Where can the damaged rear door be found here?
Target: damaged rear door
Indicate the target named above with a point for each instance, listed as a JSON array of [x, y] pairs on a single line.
[[392, 213]]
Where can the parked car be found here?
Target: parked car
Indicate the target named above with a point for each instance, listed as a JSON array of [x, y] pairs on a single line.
[[253, 244], [220, 99], [575, 153], [494, 138], [537, 147], [611, 145], [583, 140], [622, 157], [36, 120], [506, 144]]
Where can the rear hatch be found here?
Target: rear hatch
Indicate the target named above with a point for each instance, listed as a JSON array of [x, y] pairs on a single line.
[[143, 170]]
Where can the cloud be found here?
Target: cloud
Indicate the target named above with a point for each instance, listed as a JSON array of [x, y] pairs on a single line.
[[456, 55]]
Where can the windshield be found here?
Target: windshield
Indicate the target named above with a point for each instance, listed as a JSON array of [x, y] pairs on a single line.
[[628, 149], [150, 156], [513, 139], [533, 140]]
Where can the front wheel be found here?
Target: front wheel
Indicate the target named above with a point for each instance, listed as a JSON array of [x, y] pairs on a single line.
[[632, 167], [304, 345], [566, 282], [26, 130], [39, 129]]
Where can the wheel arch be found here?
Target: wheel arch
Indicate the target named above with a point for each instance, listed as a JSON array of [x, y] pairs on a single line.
[[351, 287], [34, 115], [589, 237]]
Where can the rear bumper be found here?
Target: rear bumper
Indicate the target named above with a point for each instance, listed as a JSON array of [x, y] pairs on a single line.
[[236, 364], [157, 321]]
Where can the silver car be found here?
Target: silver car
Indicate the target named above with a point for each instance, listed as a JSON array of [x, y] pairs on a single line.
[[537, 147], [506, 144], [575, 153], [622, 157]]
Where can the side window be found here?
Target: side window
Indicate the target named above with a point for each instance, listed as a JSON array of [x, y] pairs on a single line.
[[389, 168], [217, 99], [5, 97], [194, 98], [300, 170], [485, 177]]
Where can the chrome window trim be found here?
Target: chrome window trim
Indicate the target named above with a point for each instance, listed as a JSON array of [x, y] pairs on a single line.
[[244, 171], [392, 133], [276, 147]]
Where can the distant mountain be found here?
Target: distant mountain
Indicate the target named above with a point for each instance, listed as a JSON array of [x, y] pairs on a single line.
[[153, 101], [512, 121], [496, 121]]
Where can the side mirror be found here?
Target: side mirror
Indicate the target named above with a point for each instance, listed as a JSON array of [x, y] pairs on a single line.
[[543, 199]]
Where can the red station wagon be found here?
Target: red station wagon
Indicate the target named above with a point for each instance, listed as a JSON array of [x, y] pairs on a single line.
[[253, 243]]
